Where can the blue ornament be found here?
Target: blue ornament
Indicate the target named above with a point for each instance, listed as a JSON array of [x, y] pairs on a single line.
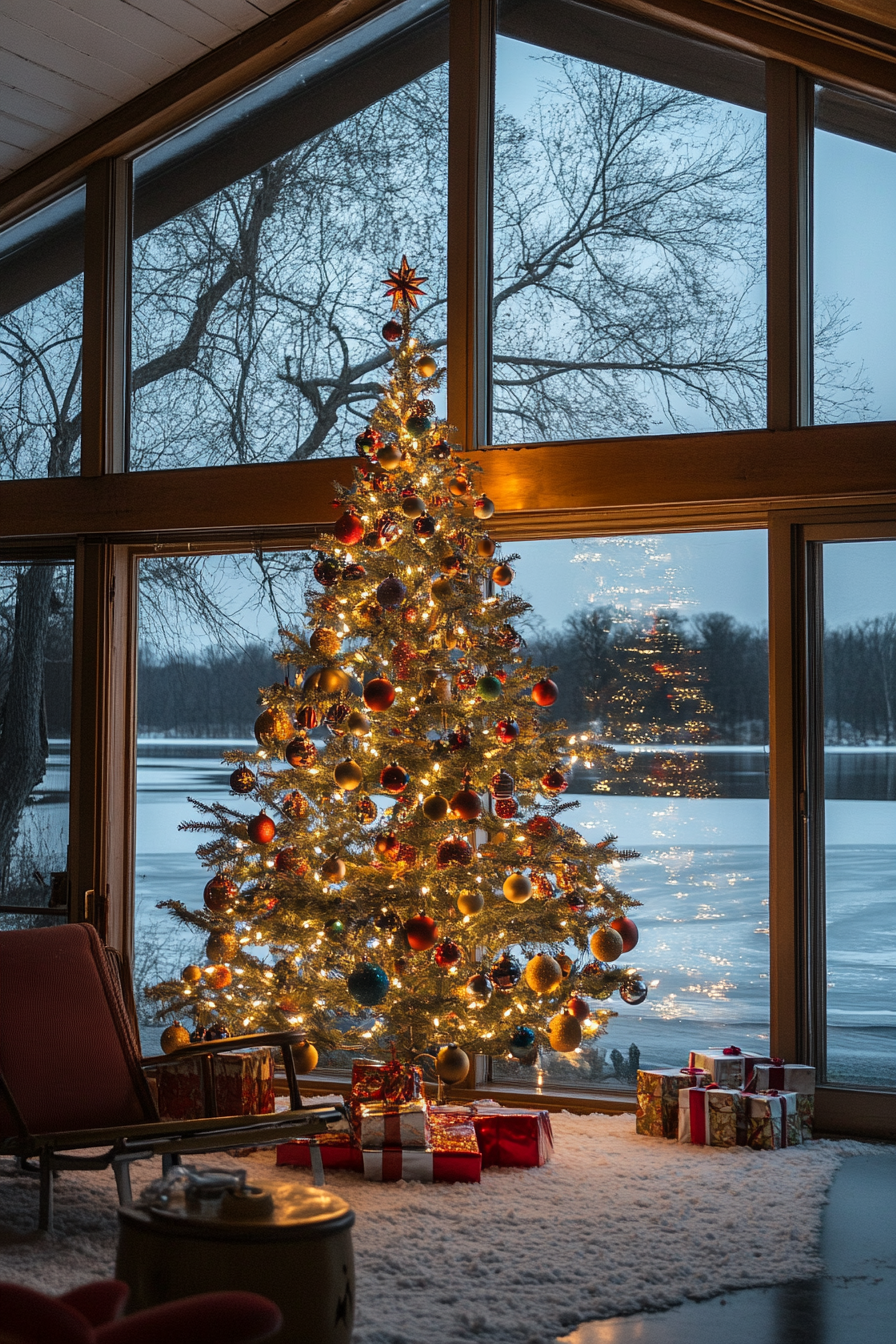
[[521, 1042], [368, 984]]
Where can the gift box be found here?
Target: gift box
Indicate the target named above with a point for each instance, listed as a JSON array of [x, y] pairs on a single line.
[[510, 1137], [244, 1085], [798, 1078], [384, 1125], [713, 1116], [773, 1120], [394, 1082], [658, 1092], [727, 1068], [338, 1152]]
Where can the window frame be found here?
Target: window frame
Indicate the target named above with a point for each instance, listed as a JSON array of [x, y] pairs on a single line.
[[791, 477]]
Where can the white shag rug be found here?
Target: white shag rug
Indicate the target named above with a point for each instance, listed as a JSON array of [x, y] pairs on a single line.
[[613, 1224]]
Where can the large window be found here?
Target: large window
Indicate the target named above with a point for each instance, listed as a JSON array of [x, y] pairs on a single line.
[[629, 230], [35, 735], [662, 653], [855, 275], [857, 860], [207, 634], [256, 275], [41, 300]]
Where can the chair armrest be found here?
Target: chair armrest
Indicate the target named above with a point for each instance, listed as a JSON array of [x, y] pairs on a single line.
[[281, 1038]]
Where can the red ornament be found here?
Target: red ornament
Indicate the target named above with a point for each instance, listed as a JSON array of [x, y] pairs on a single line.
[[425, 527], [294, 804], [379, 694], [506, 808], [575, 900], [366, 808], [403, 655], [540, 827], [242, 780], [508, 638], [407, 855], [354, 572], [289, 860], [394, 778], [459, 740], [307, 718], [387, 845], [219, 893], [502, 785], [454, 849], [392, 332], [545, 692], [327, 572], [554, 782], [368, 442], [301, 752], [261, 829], [465, 680], [507, 731], [579, 1008], [628, 930], [448, 954], [421, 932], [465, 805], [501, 675], [348, 528]]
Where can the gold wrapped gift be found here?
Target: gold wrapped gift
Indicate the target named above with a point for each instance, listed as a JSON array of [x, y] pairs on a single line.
[[658, 1091], [773, 1120], [712, 1115], [452, 1132]]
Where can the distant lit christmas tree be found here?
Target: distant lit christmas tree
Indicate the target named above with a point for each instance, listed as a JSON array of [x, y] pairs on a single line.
[[656, 698], [406, 875]]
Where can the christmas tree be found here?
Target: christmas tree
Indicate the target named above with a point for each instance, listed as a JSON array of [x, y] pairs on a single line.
[[408, 880], [655, 697]]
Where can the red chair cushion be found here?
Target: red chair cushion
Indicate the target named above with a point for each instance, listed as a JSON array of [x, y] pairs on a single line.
[[212, 1318], [100, 1302], [66, 1048], [28, 1317]]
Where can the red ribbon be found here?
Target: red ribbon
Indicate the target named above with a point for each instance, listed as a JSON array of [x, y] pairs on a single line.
[[698, 1107], [732, 1050]]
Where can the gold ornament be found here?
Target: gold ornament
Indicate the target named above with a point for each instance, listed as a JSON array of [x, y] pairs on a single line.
[[389, 457], [348, 774], [191, 974], [305, 1057], [452, 1063], [435, 807], [442, 590], [403, 285], [332, 870], [517, 888], [174, 1037], [565, 964], [357, 724], [427, 366], [333, 681], [326, 642], [470, 902], [273, 724], [606, 944], [564, 1033], [221, 947], [542, 973], [485, 547]]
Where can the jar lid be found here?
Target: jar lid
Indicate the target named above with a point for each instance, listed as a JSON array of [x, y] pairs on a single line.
[[281, 1210]]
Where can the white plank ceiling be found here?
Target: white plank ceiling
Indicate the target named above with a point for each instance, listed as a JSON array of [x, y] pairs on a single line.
[[65, 63]]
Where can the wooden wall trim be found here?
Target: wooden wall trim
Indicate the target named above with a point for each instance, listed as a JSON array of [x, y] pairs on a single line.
[[758, 468]]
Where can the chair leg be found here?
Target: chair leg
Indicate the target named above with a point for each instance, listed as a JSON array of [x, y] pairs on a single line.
[[317, 1164], [45, 1214], [122, 1168], [170, 1160]]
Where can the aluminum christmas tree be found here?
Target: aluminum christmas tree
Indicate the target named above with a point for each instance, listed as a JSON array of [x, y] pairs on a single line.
[[407, 876]]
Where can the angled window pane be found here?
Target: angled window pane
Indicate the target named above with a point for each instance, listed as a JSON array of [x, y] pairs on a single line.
[[41, 303], [629, 230], [36, 605], [854, 272], [859, 857], [661, 650], [261, 239]]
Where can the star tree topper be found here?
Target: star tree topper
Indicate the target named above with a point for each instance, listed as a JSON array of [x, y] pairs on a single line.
[[404, 285]]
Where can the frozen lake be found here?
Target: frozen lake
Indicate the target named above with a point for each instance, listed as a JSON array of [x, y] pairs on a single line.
[[703, 881]]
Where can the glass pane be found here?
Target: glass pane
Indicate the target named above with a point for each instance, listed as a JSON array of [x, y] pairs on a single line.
[[207, 633], [855, 277], [629, 230], [261, 240], [41, 300], [860, 811], [35, 735], [662, 650]]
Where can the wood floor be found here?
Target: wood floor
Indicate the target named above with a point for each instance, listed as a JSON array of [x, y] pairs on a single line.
[[854, 1302]]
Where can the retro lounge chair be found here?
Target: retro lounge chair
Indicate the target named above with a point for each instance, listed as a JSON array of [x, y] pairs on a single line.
[[71, 1074]]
